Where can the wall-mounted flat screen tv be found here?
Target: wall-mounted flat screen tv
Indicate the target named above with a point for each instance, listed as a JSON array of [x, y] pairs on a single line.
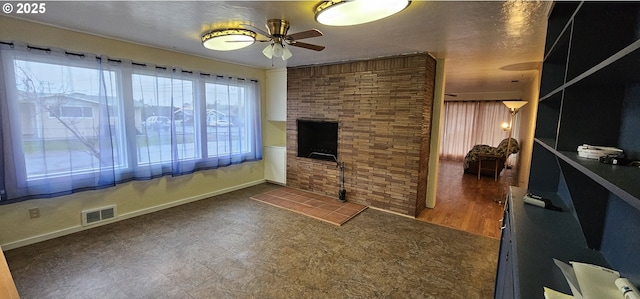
[[318, 139]]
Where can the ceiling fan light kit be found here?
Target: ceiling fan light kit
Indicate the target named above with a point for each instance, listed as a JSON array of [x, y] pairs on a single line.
[[228, 39], [277, 50], [277, 32], [354, 12], [278, 38]]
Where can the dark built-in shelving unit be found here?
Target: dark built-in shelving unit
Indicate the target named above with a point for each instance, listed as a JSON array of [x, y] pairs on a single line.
[[589, 94]]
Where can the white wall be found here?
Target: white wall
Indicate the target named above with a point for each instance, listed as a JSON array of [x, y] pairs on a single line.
[[436, 133], [61, 215], [526, 132]]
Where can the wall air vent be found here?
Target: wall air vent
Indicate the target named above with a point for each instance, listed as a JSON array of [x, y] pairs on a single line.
[[93, 216]]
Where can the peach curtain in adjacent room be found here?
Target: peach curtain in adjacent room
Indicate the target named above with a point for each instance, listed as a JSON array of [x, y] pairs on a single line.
[[467, 123]]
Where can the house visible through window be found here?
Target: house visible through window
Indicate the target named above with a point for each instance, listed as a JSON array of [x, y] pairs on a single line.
[[56, 102]]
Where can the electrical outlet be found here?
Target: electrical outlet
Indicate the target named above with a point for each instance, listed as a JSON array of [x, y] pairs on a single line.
[[34, 213]]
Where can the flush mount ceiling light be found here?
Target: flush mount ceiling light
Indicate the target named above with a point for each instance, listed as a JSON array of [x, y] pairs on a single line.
[[228, 39], [353, 12]]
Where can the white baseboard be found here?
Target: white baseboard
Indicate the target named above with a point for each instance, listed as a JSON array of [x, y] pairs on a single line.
[[78, 228], [44, 237]]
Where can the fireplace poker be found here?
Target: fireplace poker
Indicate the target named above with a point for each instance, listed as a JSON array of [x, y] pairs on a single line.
[[342, 194]]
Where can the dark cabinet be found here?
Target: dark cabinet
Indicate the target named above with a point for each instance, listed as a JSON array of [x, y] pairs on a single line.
[[589, 94], [531, 239], [504, 277]]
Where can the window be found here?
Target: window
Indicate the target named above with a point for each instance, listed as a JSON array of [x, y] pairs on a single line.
[[467, 123], [227, 111], [76, 122], [70, 111], [161, 99], [57, 133]]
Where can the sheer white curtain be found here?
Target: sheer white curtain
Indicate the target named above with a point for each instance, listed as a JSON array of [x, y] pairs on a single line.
[[72, 122], [57, 131], [469, 123]]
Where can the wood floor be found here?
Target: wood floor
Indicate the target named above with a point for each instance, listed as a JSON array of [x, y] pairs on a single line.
[[463, 202]]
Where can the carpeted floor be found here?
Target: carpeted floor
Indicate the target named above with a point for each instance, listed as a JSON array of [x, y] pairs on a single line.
[[231, 246]]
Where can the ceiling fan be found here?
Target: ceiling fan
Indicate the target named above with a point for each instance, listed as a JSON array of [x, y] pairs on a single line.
[[279, 39]]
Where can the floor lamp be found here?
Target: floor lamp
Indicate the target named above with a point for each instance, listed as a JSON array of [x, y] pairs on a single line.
[[513, 106]]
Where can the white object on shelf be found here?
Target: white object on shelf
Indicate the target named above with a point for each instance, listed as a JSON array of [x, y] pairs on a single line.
[[589, 281], [275, 164], [595, 152], [627, 288], [276, 84]]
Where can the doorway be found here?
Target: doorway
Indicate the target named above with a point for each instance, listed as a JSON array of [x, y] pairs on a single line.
[[463, 201]]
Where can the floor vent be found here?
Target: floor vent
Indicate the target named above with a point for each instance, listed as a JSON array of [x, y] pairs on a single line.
[[98, 215]]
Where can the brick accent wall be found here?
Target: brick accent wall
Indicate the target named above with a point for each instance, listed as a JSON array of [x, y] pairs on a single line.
[[383, 107]]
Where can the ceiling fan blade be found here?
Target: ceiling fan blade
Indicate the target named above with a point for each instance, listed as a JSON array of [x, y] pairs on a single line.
[[258, 30], [307, 46], [304, 34]]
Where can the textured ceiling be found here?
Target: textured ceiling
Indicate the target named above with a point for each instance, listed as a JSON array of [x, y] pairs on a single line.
[[486, 45]]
